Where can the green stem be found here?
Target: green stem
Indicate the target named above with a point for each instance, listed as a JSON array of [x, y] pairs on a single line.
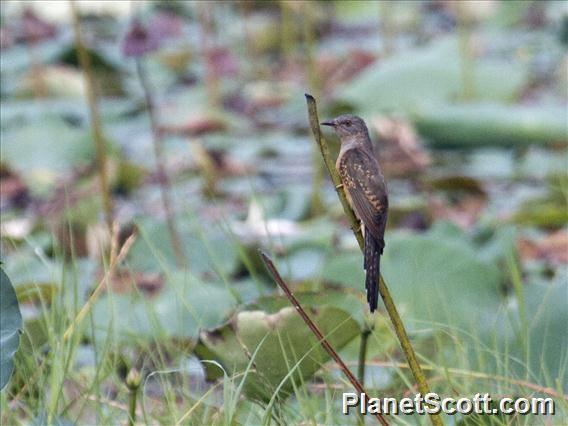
[[467, 60], [96, 128], [363, 355], [287, 29], [316, 203], [133, 380], [132, 407], [383, 289], [162, 172]]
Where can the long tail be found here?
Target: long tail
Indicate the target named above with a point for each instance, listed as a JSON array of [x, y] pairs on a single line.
[[372, 265]]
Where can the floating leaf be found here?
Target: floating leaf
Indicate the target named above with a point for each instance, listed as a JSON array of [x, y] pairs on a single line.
[[427, 77], [206, 252], [178, 312], [439, 279], [42, 151], [434, 277], [280, 341], [472, 125], [345, 269]]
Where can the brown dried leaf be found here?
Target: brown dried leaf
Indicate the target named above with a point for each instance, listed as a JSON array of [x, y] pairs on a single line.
[[13, 190], [465, 213], [402, 152], [335, 70], [124, 281], [196, 125], [552, 248]]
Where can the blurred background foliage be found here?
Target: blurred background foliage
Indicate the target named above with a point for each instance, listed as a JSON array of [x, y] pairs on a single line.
[[466, 102]]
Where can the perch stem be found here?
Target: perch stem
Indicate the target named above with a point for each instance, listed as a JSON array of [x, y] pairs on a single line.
[[314, 328], [399, 328]]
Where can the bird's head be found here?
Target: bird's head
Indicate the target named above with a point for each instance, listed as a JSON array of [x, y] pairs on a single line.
[[347, 125]]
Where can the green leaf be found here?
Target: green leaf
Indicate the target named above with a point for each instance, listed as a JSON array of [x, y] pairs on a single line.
[[426, 77], [281, 341], [345, 269], [206, 250], [10, 327], [439, 279], [436, 277], [475, 124], [44, 150], [180, 311]]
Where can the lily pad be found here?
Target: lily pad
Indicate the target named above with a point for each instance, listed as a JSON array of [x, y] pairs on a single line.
[[428, 77], [441, 280], [10, 327], [207, 251], [277, 343], [186, 306], [434, 278], [41, 152], [477, 124]]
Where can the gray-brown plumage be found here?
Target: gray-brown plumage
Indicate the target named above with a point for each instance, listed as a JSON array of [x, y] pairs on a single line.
[[366, 191]]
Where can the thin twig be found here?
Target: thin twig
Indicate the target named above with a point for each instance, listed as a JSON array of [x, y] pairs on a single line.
[[383, 289], [96, 127], [314, 328], [163, 177]]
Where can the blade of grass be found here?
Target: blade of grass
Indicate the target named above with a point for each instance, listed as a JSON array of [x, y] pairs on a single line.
[[313, 327], [383, 289]]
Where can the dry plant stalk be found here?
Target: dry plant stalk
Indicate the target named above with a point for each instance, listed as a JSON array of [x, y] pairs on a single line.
[[115, 260], [164, 180], [383, 289], [96, 128], [314, 328]]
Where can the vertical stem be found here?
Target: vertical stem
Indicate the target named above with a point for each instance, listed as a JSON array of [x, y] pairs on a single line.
[[387, 28], [466, 53], [211, 79], [96, 129], [308, 30], [287, 35], [38, 84], [517, 281], [132, 407], [398, 326], [316, 203], [133, 380], [363, 355], [162, 173]]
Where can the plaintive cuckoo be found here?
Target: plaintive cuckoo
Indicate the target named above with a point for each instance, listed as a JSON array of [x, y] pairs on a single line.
[[366, 191]]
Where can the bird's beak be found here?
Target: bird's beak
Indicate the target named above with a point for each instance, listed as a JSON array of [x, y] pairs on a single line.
[[328, 123]]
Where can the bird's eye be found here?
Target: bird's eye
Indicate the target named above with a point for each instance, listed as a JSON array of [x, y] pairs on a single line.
[[348, 123]]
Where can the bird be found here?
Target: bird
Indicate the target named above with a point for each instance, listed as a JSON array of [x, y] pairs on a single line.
[[366, 190]]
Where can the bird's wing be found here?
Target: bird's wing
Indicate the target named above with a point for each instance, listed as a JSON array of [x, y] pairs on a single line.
[[363, 180]]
